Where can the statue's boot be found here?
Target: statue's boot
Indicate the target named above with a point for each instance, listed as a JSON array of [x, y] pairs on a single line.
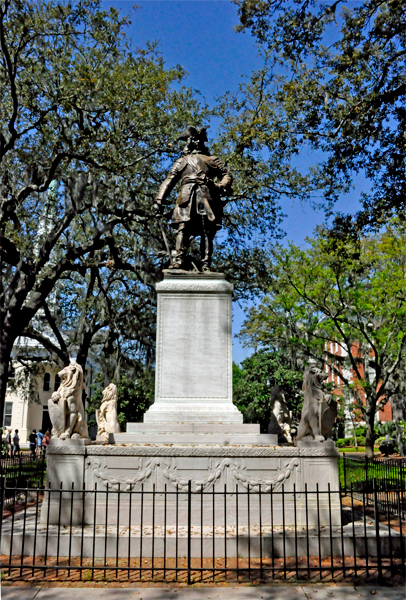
[[206, 248], [182, 243]]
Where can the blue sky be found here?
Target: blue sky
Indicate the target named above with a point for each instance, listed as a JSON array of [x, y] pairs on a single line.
[[199, 35]]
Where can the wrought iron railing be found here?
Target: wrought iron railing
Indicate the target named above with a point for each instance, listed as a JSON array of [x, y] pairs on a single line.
[[359, 474], [209, 536]]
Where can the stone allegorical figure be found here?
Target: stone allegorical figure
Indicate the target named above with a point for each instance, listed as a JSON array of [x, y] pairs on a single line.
[[204, 181], [319, 410], [280, 419], [106, 415], [66, 407]]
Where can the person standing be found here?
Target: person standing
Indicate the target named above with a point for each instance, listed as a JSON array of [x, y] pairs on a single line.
[[45, 441], [40, 437], [9, 443], [16, 444], [33, 442]]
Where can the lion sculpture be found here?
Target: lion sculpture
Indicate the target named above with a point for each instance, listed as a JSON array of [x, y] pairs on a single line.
[[106, 415], [66, 407], [319, 410], [280, 419]]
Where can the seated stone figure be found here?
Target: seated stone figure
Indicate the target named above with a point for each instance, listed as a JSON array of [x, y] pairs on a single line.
[[66, 407], [106, 415], [280, 420], [319, 410]]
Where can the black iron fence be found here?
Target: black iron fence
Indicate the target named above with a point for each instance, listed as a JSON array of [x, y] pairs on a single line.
[[207, 536], [359, 474], [23, 470]]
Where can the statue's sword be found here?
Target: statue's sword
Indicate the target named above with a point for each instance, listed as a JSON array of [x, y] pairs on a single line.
[[165, 240]]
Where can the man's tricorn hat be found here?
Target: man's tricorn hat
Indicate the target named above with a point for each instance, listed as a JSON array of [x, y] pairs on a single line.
[[196, 134]]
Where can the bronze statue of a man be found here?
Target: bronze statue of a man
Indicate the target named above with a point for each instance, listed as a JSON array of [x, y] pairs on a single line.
[[199, 206]]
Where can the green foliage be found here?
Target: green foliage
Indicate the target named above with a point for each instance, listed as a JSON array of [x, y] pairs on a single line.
[[332, 81], [383, 428], [345, 442], [96, 397], [253, 381], [135, 394], [346, 293]]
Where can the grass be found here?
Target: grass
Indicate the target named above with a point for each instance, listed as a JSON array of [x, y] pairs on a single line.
[[360, 449], [355, 472]]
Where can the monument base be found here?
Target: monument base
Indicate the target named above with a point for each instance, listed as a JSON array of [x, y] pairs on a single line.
[[151, 474]]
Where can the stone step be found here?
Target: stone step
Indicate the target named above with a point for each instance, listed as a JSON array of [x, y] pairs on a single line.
[[207, 439], [246, 428], [174, 416]]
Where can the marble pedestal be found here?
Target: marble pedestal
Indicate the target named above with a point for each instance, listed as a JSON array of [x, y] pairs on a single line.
[[193, 383]]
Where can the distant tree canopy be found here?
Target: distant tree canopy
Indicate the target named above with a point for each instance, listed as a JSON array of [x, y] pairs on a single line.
[[350, 294], [332, 82], [254, 380]]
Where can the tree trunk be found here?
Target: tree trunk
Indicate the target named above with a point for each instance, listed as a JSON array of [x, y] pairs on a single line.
[[398, 402], [83, 351], [369, 429]]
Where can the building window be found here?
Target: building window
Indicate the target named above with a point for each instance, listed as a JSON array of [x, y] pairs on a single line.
[[57, 382], [47, 382], [8, 411]]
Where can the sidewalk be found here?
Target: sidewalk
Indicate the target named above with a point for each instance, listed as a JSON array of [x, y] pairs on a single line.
[[276, 592]]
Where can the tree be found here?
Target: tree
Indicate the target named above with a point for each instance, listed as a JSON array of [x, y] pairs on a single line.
[[347, 293], [253, 382], [332, 82], [86, 134]]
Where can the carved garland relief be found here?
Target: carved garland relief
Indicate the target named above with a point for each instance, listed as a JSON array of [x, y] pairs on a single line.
[[169, 472]]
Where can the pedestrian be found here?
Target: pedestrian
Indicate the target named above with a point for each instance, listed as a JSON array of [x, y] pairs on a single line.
[[32, 438], [45, 441], [40, 437], [16, 444], [9, 443]]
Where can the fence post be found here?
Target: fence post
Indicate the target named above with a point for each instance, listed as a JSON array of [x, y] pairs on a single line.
[[189, 529], [344, 472], [377, 531], [402, 474], [42, 469], [2, 494], [366, 468]]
